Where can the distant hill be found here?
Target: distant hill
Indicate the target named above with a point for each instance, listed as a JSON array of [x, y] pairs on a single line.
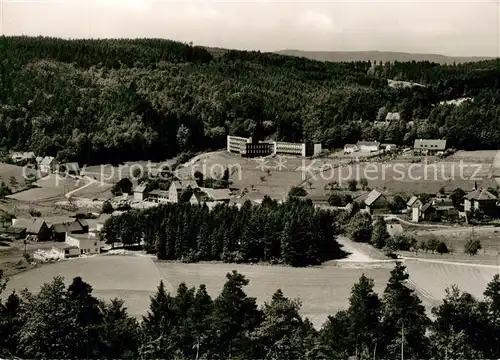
[[341, 56]]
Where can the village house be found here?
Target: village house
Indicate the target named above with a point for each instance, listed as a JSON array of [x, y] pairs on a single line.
[[377, 203], [62, 225], [48, 164], [368, 146], [36, 229], [480, 199], [429, 146], [87, 245], [350, 148], [254, 196], [159, 196], [413, 202], [178, 186], [197, 198], [140, 192], [23, 156]]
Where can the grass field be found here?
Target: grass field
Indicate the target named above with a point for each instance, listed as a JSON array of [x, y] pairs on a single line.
[[323, 290], [49, 188], [433, 278], [15, 176], [456, 239]]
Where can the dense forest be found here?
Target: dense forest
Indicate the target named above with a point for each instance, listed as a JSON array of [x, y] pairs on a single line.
[[112, 100], [293, 233], [70, 323]]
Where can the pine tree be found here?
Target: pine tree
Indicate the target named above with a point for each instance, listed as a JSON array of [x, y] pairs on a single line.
[[157, 326], [380, 236], [201, 312], [10, 324], [404, 317], [235, 315], [364, 315]]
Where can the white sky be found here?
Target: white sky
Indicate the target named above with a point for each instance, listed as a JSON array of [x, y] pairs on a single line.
[[460, 28]]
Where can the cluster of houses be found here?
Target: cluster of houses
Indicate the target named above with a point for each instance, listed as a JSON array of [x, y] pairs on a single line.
[[421, 146], [378, 202], [46, 164], [72, 236], [199, 195]]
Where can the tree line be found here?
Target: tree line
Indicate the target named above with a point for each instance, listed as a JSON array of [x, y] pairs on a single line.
[[70, 323], [97, 101], [293, 233]]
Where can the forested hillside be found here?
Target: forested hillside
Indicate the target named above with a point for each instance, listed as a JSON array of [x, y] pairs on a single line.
[[110, 100]]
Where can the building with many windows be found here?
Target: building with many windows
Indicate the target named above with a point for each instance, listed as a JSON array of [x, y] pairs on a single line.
[[247, 147]]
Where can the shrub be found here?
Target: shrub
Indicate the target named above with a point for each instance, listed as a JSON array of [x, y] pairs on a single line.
[[297, 191]]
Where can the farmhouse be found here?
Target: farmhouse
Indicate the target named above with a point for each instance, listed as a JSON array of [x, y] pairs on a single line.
[[48, 164], [72, 168], [85, 243], [159, 196], [16, 233], [36, 229], [414, 202], [61, 226], [350, 148], [123, 186], [255, 197], [429, 146], [197, 198], [376, 202], [178, 186], [140, 192], [480, 199], [368, 146]]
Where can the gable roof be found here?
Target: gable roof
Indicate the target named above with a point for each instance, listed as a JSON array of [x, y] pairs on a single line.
[[217, 194], [427, 206], [196, 195], [480, 195], [432, 144], [412, 200], [350, 146], [184, 184], [32, 226], [140, 188], [373, 196], [159, 193], [47, 160]]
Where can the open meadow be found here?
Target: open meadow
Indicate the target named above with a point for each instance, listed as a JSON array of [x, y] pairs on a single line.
[[432, 277], [50, 187], [323, 290], [15, 176]]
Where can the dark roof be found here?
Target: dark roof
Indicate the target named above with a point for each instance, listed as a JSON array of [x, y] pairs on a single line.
[[372, 197], [67, 227], [480, 195], [15, 230], [432, 144], [427, 206], [83, 222], [32, 226]]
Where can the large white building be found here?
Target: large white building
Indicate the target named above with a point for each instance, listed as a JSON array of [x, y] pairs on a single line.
[[236, 144], [239, 145]]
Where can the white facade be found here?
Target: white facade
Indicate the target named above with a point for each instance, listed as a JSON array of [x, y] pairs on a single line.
[[415, 215], [286, 148], [86, 244], [235, 143]]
